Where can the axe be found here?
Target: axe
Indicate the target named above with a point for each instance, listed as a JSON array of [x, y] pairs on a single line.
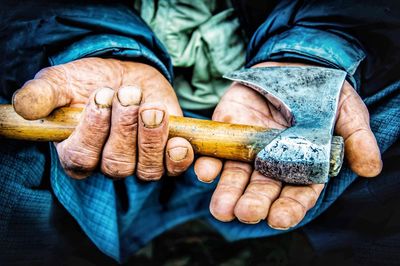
[[305, 153]]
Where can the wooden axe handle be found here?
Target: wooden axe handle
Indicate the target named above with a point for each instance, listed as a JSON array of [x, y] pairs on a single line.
[[210, 138]]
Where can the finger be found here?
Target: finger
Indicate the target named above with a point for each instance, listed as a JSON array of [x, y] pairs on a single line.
[[152, 138], [119, 153], [231, 185], [40, 96], [207, 168], [156, 88], [361, 147], [179, 156], [256, 201], [80, 153], [292, 205]]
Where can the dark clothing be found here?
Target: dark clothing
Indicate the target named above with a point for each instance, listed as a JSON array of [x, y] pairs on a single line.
[[120, 217]]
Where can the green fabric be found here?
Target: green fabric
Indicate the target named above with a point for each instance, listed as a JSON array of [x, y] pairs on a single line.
[[204, 41]]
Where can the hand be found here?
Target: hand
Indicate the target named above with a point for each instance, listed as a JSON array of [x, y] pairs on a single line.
[[125, 120], [252, 197]]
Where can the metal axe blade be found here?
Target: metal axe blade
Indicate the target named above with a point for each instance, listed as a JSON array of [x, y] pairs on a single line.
[[308, 99]]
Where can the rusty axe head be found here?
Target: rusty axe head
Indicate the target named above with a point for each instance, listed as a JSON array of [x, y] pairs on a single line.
[[308, 99]]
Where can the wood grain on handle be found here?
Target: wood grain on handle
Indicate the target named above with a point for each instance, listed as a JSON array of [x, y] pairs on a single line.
[[216, 139]]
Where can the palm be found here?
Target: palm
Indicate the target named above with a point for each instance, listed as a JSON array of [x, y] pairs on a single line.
[[248, 107]]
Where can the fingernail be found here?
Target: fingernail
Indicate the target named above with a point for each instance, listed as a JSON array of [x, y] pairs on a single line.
[[129, 95], [249, 222], [178, 153], [152, 118], [104, 97], [279, 228], [203, 180]]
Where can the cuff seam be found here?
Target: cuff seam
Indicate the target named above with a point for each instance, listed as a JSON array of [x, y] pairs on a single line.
[[109, 45]]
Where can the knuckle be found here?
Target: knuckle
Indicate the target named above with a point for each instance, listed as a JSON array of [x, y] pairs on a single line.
[[293, 204], [97, 120], [120, 145], [261, 196], [222, 208], [233, 179], [305, 196], [151, 147], [149, 175], [127, 130], [117, 168], [266, 185], [90, 141], [77, 161], [240, 168], [230, 189], [128, 120], [151, 158]]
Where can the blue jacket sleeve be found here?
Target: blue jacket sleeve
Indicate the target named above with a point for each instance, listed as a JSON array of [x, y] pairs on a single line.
[[314, 46], [38, 33], [354, 36]]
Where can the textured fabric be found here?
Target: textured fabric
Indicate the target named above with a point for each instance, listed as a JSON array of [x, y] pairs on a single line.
[[120, 217], [110, 45], [31, 32], [204, 41], [316, 46], [372, 25], [364, 223]]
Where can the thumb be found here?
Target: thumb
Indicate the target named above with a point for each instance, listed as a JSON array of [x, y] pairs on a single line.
[[40, 96], [361, 148], [71, 83]]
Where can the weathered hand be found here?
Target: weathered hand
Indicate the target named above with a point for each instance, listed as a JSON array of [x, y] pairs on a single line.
[[252, 197], [125, 122]]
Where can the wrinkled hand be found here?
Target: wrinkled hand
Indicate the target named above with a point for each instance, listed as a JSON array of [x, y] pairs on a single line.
[[124, 126], [252, 197]]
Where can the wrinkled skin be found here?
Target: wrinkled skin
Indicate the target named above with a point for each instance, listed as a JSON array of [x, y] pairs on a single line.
[[124, 127], [250, 197]]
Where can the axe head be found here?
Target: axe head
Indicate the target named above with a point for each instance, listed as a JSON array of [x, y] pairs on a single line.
[[308, 99]]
